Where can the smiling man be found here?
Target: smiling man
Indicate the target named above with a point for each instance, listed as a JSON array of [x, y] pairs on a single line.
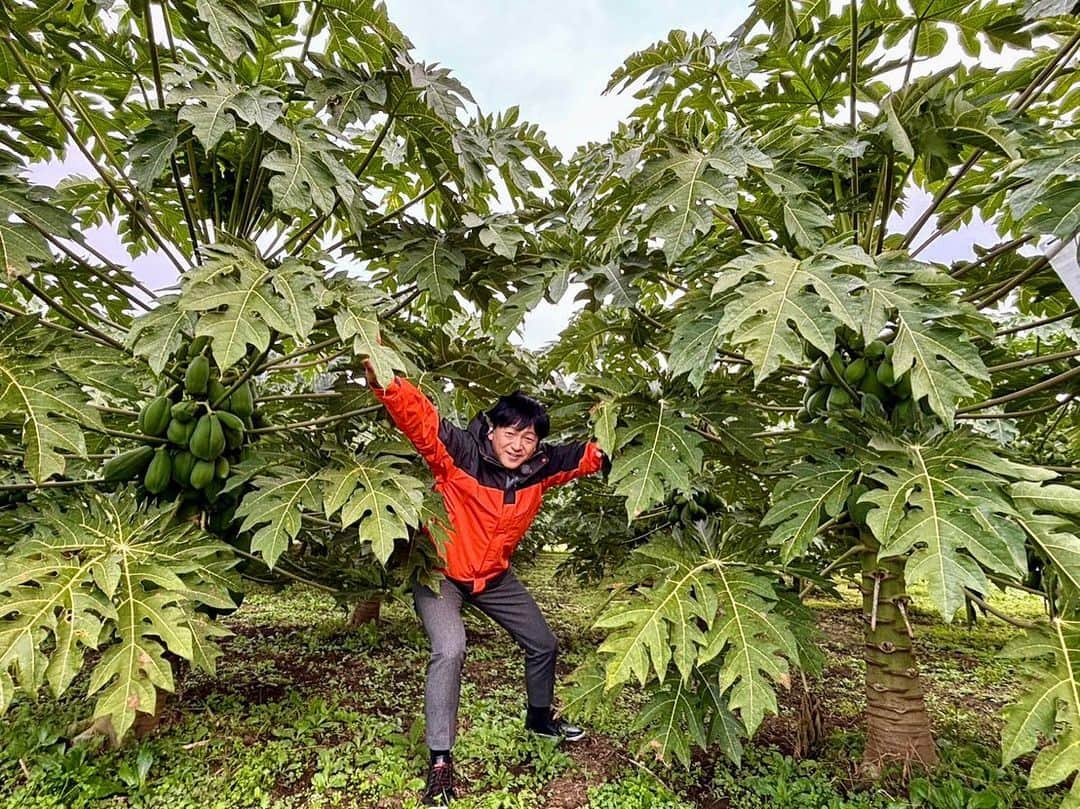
[[492, 476]]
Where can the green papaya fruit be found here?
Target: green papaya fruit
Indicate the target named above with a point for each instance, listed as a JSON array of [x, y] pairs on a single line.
[[230, 421], [875, 350], [903, 386], [854, 373], [869, 384], [818, 401], [889, 350], [215, 393], [185, 410], [127, 465], [198, 345], [242, 401], [183, 463], [201, 474], [179, 432], [885, 374], [197, 375], [159, 472], [207, 440], [221, 468], [838, 399], [154, 417]]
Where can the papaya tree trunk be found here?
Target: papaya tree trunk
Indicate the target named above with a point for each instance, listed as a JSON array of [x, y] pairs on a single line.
[[898, 728], [365, 612]]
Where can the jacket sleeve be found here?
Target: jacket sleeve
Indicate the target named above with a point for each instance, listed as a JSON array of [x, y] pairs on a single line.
[[574, 460], [417, 418]]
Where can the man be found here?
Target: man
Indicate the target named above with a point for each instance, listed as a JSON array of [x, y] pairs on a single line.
[[492, 477]]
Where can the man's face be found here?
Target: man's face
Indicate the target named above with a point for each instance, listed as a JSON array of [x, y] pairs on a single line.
[[514, 445]]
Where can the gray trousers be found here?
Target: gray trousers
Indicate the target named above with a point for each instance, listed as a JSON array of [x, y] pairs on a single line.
[[509, 604]]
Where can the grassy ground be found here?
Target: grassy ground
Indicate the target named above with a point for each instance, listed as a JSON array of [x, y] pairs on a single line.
[[307, 713]]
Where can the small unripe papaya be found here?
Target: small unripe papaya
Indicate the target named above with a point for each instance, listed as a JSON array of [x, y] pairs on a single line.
[[838, 399], [201, 474], [154, 417], [127, 465], [183, 463], [159, 472], [221, 468], [854, 373], [242, 401], [885, 374], [197, 375], [185, 411], [179, 432]]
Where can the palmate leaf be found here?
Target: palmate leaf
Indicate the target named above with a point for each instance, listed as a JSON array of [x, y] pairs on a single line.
[[47, 404], [308, 173], [795, 301], [700, 608], [274, 506], [939, 357], [240, 300], [801, 502], [675, 723], [433, 263], [1049, 708], [357, 320], [379, 496], [1048, 515], [232, 26], [108, 575], [658, 454], [945, 506]]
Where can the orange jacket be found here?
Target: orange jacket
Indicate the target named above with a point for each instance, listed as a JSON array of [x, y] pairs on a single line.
[[490, 507]]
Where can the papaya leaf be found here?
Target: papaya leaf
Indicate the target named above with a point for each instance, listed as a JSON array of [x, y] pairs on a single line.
[[658, 454], [1049, 708], [377, 495], [47, 404], [240, 300], [158, 334], [949, 516], [274, 506], [111, 576], [801, 502]]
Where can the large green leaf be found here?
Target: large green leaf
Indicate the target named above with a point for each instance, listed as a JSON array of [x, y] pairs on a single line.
[[813, 493], [658, 454], [274, 506], [940, 506], [1049, 708], [46, 404], [377, 495], [700, 609], [240, 299], [794, 301], [112, 576]]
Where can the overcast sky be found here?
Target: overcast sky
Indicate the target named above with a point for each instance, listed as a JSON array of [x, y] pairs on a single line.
[[553, 60]]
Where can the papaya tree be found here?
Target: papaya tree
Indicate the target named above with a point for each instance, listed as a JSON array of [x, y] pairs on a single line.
[[871, 415], [317, 196]]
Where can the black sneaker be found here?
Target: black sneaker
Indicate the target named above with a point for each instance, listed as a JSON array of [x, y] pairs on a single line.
[[545, 723], [440, 782]]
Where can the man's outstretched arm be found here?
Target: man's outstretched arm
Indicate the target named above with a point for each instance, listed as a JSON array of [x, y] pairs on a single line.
[[415, 416], [573, 460]]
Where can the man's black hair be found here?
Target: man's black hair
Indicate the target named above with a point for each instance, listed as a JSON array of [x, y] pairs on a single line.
[[521, 412]]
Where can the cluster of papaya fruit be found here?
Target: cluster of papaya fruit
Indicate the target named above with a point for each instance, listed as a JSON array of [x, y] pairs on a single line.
[[837, 381], [688, 509], [198, 429]]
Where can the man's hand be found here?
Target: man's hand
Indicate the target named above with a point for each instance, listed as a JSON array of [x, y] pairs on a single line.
[[369, 372]]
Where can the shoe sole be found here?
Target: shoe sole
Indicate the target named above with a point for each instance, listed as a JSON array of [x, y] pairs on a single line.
[[561, 738]]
